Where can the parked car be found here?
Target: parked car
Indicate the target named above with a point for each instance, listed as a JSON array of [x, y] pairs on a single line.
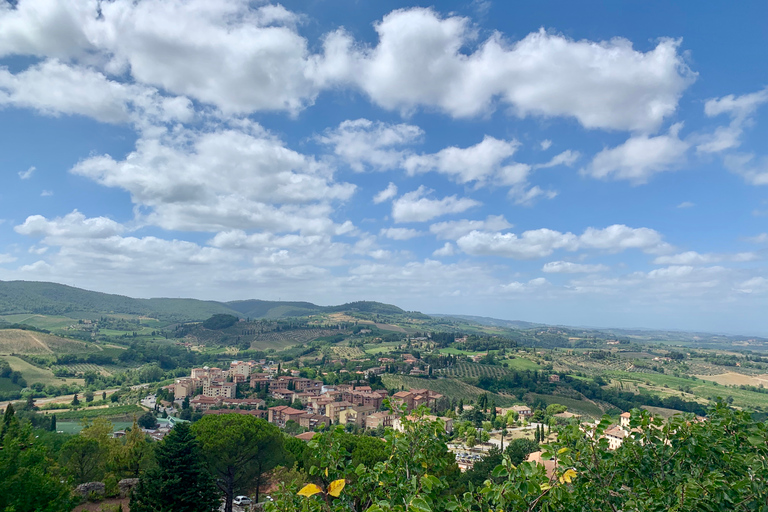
[[242, 500]]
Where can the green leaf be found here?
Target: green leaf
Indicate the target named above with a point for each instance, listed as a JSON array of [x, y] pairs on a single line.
[[420, 505]]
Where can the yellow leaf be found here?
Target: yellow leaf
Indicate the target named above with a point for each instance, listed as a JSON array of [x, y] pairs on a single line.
[[326, 471], [309, 489], [335, 488], [567, 476], [545, 486]]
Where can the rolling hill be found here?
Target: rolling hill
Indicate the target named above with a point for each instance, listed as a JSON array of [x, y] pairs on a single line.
[[33, 297]]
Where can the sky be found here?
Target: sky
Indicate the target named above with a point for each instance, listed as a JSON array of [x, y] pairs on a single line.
[[581, 163]]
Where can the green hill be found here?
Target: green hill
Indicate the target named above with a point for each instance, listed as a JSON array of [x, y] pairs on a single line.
[[41, 298]]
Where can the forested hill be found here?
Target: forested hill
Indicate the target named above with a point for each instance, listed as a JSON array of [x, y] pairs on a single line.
[[57, 299]]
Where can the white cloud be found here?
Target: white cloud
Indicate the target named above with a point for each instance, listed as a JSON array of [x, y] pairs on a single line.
[[25, 175], [53, 88], [446, 250], [6, 258], [223, 179], [754, 170], [567, 158], [366, 144], [475, 163], [386, 194], [455, 229], [420, 61], [695, 258], [74, 225], [518, 287], [640, 157], [46, 193], [546, 144], [567, 267], [740, 109], [524, 196], [401, 233], [543, 242], [416, 207], [759, 239], [686, 204], [755, 285], [529, 245]]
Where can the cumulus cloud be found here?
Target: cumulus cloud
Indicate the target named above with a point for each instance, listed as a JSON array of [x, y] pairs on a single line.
[[386, 194], [455, 229], [54, 88], [740, 109], [518, 287], [6, 258], [640, 157], [417, 207], [223, 179], [74, 225], [446, 250], [475, 163], [545, 144], [567, 158], [695, 258], [420, 61], [753, 169], [543, 242], [567, 267], [363, 144]]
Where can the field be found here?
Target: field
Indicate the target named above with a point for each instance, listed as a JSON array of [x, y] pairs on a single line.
[[737, 379], [16, 341], [116, 411], [701, 390], [521, 363], [34, 374], [7, 386], [285, 339], [348, 352], [381, 348], [82, 368], [452, 388], [40, 321], [473, 370], [458, 352], [575, 406]]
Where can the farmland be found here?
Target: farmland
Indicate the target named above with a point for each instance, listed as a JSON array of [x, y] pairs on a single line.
[[583, 407], [347, 352], [17, 341], [451, 388], [473, 370], [34, 374]]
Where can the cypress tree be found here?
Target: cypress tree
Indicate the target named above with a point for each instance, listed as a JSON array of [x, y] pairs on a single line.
[[180, 482]]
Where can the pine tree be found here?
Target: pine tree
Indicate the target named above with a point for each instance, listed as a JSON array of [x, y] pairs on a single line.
[[180, 482], [53, 423]]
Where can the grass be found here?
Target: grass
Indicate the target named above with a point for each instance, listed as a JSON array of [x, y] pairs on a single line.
[[381, 348], [34, 374], [703, 390], [7, 386], [521, 363], [17, 341], [575, 406], [451, 388], [74, 427], [117, 411], [458, 352]]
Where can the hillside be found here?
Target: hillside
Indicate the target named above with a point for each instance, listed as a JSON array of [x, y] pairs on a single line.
[[32, 297], [17, 341]]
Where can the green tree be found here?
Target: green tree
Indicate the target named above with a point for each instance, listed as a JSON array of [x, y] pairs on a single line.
[[29, 479], [75, 400], [89, 396], [180, 482], [83, 459], [240, 450], [133, 457], [147, 420]]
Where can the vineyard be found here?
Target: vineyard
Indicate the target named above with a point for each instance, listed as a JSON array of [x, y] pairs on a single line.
[[473, 370], [15, 341], [284, 339], [74, 369], [451, 388], [348, 352]]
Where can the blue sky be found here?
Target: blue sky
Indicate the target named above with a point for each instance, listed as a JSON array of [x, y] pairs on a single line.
[[590, 163]]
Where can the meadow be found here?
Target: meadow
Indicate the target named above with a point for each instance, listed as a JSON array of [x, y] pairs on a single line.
[[34, 374]]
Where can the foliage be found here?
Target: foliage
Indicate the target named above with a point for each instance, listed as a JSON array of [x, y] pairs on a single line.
[[180, 482], [220, 321], [239, 450], [147, 420]]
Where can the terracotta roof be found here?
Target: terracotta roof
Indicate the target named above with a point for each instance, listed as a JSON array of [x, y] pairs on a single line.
[[306, 436]]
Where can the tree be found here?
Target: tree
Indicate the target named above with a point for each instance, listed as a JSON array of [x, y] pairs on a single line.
[[89, 396], [180, 482], [53, 423], [82, 459], [519, 449], [135, 455], [75, 401], [29, 480], [240, 450], [147, 420]]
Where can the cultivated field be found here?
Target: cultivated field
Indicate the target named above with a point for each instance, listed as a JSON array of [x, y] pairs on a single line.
[[16, 341], [521, 363], [284, 339], [34, 374], [737, 379], [347, 352], [452, 388], [582, 407], [82, 368], [473, 370]]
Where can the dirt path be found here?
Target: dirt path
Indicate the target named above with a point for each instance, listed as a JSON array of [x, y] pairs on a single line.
[[45, 347]]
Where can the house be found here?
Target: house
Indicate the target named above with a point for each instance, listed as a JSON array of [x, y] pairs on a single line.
[[240, 368], [549, 464], [355, 415], [306, 436], [282, 414], [416, 397], [523, 411], [333, 409], [314, 421], [183, 388], [379, 419], [615, 436], [624, 420], [554, 378], [223, 389], [203, 403], [258, 413], [254, 403], [397, 423]]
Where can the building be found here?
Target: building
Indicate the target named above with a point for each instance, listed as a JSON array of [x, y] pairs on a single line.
[[615, 436], [314, 421], [183, 388], [554, 378], [223, 389], [416, 397], [241, 368], [333, 409], [355, 415], [379, 419], [523, 411], [447, 422], [624, 420], [282, 414]]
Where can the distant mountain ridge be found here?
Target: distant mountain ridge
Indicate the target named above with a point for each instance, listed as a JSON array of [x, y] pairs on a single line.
[[44, 298]]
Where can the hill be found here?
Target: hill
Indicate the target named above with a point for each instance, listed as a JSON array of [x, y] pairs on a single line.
[[17, 341], [41, 298]]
